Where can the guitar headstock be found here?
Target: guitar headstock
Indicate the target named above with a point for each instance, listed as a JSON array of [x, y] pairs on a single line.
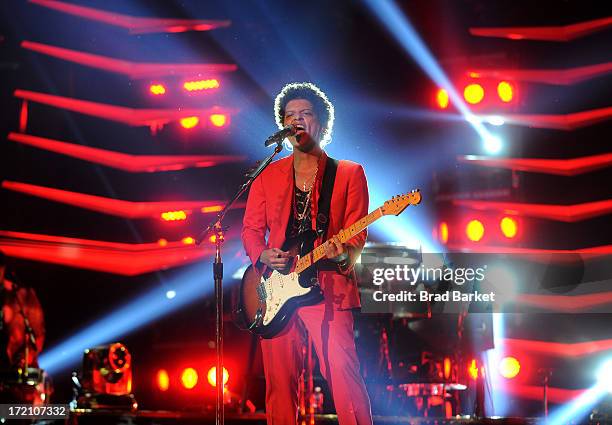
[[399, 203]]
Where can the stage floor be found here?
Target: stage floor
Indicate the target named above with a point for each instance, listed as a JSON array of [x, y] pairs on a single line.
[[175, 417]]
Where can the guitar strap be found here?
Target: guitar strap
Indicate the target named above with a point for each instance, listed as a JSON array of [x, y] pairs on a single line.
[[327, 187]]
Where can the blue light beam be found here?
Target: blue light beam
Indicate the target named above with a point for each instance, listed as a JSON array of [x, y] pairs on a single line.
[[400, 27], [189, 287], [578, 408]]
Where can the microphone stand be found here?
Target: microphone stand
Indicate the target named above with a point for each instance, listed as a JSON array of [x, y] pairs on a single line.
[[216, 228]]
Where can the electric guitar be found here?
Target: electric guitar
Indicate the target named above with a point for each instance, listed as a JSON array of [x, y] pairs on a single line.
[[268, 299]]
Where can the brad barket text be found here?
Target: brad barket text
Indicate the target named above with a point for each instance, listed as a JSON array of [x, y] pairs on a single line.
[[413, 275], [425, 296]]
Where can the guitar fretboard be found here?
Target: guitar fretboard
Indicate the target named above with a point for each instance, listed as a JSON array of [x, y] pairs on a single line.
[[344, 235]]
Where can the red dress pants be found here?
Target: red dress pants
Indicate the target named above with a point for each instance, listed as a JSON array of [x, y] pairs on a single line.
[[332, 335]]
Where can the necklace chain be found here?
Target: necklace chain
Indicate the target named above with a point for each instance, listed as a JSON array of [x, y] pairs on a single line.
[[314, 177], [302, 214]]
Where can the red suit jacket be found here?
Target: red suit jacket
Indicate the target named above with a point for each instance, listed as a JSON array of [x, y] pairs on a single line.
[[269, 207]]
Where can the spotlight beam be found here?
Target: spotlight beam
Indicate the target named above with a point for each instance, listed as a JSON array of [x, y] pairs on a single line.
[[403, 31], [577, 408], [188, 287]]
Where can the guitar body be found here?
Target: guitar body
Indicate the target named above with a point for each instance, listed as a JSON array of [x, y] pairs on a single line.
[[267, 304], [268, 300]]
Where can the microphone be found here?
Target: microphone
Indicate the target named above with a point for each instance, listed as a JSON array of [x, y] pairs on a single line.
[[277, 137]]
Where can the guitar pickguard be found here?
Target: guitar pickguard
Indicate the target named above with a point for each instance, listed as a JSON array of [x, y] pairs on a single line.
[[279, 289]]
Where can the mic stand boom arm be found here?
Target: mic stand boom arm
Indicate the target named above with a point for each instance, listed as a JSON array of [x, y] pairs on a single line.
[[216, 228]]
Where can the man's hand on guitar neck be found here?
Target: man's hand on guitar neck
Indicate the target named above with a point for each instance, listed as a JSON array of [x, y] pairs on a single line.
[[337, 252], [275, 258], [334, 248]]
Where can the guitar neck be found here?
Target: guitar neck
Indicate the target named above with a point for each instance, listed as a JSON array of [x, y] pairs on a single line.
[[344, 235]]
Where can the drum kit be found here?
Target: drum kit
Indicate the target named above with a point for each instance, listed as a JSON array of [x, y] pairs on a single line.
[[413, 359]]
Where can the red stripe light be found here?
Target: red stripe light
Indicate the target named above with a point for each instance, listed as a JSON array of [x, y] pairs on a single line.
[[135, 24], [134, 70], [23, 116], [154, 118], [109, 257]]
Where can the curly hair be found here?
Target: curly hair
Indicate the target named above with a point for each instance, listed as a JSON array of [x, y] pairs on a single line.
[[323, 108]]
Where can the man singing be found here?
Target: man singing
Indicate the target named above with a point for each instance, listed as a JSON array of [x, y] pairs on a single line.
[[284, 201]]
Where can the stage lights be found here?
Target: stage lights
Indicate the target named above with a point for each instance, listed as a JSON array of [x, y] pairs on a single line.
[[505, 91], [447, 367], [163, 380], [215, 120], [157, 89], [442, 98], [189, 378], [508, 227], [170, 294], [192, 87], [201, 85], [107, 369], [219, 120], [474, 230], [473, 93], [174, 215], [480, 93], [505, 229], [509, 367], [443, 232], [188, 240], [189, 122], [106, 379], [212, 376], [213, 208]]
